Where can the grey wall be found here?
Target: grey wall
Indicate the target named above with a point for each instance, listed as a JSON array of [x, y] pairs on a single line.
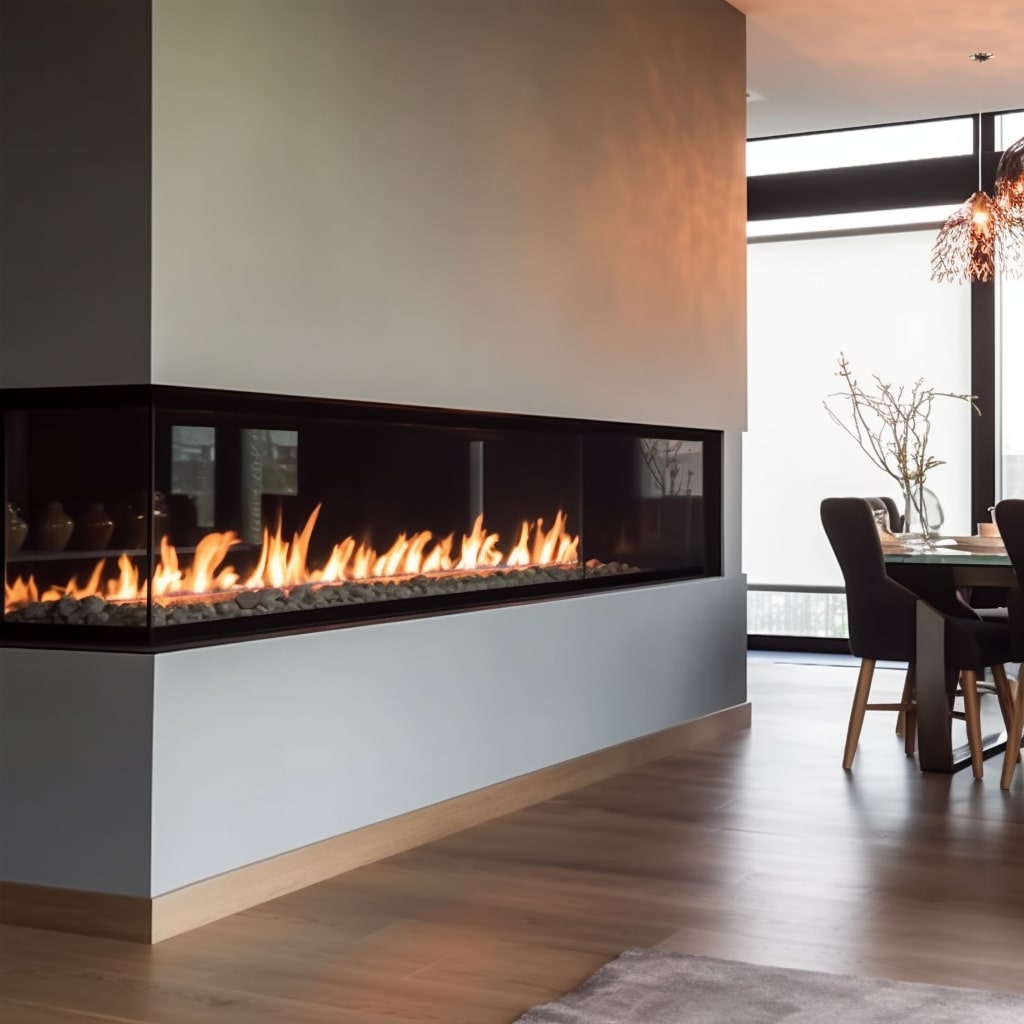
[[76, 746], [75, 143]]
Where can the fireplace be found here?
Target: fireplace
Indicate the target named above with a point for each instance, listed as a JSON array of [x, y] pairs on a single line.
[[155, 517]]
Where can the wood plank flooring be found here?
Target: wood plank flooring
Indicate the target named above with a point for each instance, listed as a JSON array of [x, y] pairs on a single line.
[[758, 849]]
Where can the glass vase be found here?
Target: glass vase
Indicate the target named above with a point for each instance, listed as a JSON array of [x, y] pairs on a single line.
[[917, 534]]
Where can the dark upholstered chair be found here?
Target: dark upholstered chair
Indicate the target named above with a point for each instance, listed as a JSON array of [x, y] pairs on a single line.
[[882, 621], [1010, 520], [888, 506]]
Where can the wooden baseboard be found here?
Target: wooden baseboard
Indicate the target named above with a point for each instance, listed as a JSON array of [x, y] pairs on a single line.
[[213, 898]]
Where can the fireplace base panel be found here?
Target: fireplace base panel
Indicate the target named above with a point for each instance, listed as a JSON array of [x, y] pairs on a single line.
[[143, 776]]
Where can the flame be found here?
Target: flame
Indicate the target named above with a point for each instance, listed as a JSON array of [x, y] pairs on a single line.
[[284, 563]]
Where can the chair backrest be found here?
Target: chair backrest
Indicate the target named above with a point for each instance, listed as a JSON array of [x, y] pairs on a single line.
[[896, 523], [1009, 517], [1010, 520], [888, 506], [880, 612]]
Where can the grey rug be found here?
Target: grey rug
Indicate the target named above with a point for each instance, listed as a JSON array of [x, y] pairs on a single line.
[[646, 986]]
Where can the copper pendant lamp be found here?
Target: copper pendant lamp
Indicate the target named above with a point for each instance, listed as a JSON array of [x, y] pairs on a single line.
[[981, 237], [973, 241], [1010, 179]]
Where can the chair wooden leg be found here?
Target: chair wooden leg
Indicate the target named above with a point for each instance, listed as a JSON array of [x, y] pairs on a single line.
[[860, 703], [901, 718], [1003, 693], [1013, 738], [909, 713], [972, 714]]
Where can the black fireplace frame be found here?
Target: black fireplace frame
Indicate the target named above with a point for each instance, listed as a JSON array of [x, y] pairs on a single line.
[[149, 400]]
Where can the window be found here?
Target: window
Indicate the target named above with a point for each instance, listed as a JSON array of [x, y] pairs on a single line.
[[857, 147], [1010, 342], [869, 296], [1009, 128], [848, 222]]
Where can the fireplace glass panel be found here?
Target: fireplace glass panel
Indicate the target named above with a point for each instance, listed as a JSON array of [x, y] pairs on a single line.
[[196, 516], [645, 506], [76, 502], [331, 513]]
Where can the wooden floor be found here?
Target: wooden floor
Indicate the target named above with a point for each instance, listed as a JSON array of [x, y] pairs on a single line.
[[761, 850]]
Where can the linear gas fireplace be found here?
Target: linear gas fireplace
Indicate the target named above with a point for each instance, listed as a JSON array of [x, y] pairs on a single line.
[[152, 517]]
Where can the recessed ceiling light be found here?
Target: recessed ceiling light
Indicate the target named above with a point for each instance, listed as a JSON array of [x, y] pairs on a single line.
[[981, 56]]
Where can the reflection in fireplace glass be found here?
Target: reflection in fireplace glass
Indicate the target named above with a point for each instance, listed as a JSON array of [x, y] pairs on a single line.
[[270, 465], [193, 451], [670, 466]]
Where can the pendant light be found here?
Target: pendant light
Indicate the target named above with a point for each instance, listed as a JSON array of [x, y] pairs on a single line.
[[1010, 179], [979, 237]]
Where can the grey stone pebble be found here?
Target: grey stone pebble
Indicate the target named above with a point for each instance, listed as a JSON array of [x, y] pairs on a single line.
[[246, 603]]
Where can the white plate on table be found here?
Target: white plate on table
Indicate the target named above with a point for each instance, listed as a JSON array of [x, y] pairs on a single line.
[[978, 545]]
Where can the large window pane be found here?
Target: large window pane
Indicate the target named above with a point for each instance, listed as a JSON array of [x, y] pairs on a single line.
[[933, 216], [871, 297], [1010, 329], [1009, 128], [859, 146]]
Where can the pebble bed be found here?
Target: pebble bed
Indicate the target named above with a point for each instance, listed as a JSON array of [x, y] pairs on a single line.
[[242, 604]]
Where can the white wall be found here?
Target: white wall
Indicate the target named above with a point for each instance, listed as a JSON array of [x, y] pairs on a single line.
[[517, 205], [263, 747]]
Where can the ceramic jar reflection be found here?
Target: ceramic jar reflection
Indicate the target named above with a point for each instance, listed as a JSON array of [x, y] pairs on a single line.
[[17, 530], [94, 528], [52, 528]]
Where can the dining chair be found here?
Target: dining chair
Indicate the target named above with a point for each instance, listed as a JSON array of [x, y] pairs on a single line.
[[888, 505], [882, 620], [1009, 517]]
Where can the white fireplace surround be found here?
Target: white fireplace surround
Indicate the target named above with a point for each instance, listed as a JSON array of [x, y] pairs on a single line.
[[518, 205], [151, 772]]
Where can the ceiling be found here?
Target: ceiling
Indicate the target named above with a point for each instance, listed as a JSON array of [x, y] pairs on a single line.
[[817, 64]]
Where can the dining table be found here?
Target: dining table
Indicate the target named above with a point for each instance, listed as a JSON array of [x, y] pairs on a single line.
[[942, 577]]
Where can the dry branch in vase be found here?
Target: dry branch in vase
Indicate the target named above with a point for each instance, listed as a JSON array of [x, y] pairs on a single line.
[[891, 424]]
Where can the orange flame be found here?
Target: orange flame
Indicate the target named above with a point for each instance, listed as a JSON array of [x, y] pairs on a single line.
[[283, 563]]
